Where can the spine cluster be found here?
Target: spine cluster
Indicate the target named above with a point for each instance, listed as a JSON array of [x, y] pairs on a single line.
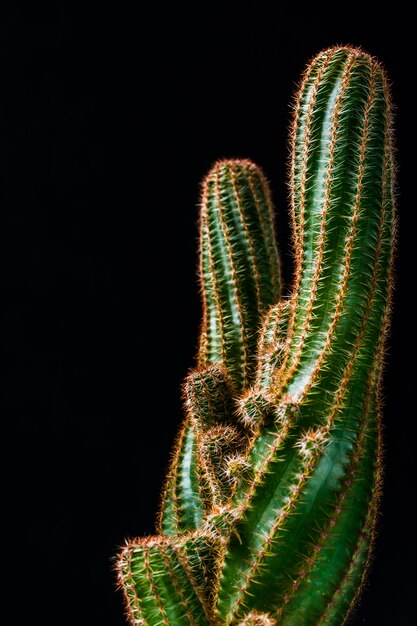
[[270, 505]]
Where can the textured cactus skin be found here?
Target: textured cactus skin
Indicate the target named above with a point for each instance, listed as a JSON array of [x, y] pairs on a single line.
[[240, 279], [157, 585], [270, 507], [238, 266]]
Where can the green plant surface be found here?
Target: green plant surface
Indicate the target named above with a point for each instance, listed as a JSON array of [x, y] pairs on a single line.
[[240, 279], [270, 505]]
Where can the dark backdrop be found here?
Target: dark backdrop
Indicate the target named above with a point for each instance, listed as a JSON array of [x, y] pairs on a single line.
[[110, 119]]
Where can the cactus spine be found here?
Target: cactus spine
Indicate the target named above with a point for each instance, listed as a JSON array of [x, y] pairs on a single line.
[[271, 502]]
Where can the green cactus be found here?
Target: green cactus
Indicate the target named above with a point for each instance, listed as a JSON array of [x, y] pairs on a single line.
[[239, 273], [270, 505]]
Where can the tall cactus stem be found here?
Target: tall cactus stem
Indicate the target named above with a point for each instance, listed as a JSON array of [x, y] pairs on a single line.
[[239, 267], [240, 279]]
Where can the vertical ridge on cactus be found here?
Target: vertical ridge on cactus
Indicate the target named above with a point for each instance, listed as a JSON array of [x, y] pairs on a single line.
[[272, 497], [239, 266]]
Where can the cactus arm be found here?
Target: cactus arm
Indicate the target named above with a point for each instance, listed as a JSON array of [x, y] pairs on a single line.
[[239, 266], [240, 278], [284, 503], [158, 585]]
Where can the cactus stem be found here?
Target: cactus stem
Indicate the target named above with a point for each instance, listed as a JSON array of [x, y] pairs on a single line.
[[283, 376], [239, 265], [348, 252]]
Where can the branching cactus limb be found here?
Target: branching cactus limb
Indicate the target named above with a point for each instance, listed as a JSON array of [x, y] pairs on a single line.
[[240, 279], [164, 581], [270, 506]]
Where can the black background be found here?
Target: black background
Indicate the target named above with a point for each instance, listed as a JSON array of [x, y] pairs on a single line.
[[110, 118]]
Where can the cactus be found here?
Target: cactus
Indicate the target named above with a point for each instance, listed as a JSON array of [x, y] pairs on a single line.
[[269, 512]]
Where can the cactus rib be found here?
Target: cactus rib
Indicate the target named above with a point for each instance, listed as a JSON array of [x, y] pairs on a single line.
[[159, 587]]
